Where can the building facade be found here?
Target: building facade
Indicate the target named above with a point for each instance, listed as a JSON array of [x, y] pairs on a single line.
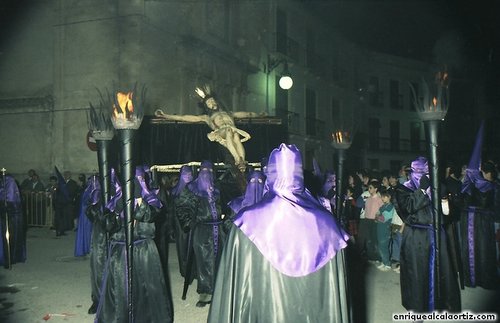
[[60, 52]]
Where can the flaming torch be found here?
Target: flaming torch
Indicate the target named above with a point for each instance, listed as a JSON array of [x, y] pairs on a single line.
[[432, 108], [127, 118], [101, 128], [341, 141]]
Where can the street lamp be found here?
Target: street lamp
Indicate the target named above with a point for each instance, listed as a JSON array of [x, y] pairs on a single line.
[[432, 108], [285, 82]]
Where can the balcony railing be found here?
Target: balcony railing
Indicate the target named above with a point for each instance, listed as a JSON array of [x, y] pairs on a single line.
[[292, 120]]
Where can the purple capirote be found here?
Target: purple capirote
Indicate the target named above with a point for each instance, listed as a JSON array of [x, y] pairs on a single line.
[[204, 184], [419, 168], [113, 201], [94, 189], [185, 177], [9, 190], [253, 192], [147, 194], [473, 176], [289, 226]]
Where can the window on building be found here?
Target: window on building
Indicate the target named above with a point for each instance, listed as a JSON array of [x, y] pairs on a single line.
[[308, 158], [415, 136], [311, 112], [396, 97], [374, 94], [281, 32], [414, 93], [394, 139], [281, 101], [374, 133]]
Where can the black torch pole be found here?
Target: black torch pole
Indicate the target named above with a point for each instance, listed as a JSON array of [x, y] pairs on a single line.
[[436, 205], [104, 177], [104, 170], [127, 178]]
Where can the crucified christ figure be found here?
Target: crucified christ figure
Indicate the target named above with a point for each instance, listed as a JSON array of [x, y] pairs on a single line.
[[222, 124]]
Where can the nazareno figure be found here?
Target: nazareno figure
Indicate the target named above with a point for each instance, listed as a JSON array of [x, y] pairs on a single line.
[[12, 250], [93, 208], [90, 196], [181, 236], [418, 282], [482, 209], [198, 211], [152, 300], [222, 124], [253, 192], [280, 261]]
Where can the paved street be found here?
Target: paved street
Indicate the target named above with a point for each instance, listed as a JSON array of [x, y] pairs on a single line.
[[53, 286]]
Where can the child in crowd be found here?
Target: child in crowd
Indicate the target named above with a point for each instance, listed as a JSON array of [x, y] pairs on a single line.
[[397, 227], [351, 212], [384, 219], [368, 226]]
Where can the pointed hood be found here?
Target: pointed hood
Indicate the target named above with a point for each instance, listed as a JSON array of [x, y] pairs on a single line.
[[116, 198], [473, 175], [475, 158], [146, 192], [419, 168], [204, 184], [9, 190], [93, 189], [289, 226], [185, 177], [253, 193]]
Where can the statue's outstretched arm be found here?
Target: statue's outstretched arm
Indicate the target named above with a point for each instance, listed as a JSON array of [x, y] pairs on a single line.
[[185, 117], [247, 114]]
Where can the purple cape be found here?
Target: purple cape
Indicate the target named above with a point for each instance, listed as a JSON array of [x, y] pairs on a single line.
[[289, 226], [91, 196]]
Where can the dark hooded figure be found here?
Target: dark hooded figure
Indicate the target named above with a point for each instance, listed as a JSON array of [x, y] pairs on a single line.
[[181, 236], [152, 300], [281, 260], [481, 191], [253, 193], [418, 282], [90, 196], [11, 212], [198, 211], [93, 208], [327, 192]]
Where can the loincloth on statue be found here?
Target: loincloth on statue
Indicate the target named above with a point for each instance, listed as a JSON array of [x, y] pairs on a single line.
[[216, 134]]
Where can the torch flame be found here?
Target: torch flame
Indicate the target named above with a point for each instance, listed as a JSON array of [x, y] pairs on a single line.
[[125, 108], [341, 137]]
